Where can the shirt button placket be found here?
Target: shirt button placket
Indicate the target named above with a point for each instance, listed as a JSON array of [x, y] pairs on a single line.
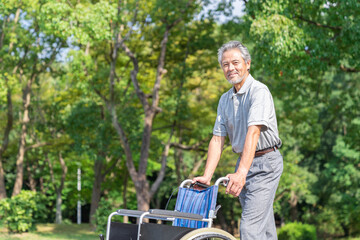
[[236, 105]]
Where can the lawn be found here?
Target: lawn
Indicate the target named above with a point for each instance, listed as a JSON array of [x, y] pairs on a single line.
[[63, 232], [54, 231]]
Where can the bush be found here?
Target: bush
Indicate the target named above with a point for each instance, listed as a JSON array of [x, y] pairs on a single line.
[[297, 231], [21, 212], [329, 223], [101, 215]]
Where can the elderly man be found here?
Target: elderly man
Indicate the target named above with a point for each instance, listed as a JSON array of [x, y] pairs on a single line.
[[246, 114]]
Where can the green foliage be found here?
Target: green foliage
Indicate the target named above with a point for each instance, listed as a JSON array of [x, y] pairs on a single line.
[[328, 223], [102, 213], [297, 231], [307, 52], [302, 50], [85, 22], [354, 221], [20, 213], [109, 205]]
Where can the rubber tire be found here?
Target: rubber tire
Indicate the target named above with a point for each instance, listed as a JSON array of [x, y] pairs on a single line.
[[204, 233]]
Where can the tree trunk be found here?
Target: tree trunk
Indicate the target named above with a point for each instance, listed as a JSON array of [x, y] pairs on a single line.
[[58, 216], [96, 191], [61, 187], [9, 104], [32, 182], [5, 142], [143, 191], [101, 169], [2, 182], [197, 165], [126, 218], [20, 158], [142, 194], [20, 163], [58, 189], [41, 180], [41, 184], [293, 204]]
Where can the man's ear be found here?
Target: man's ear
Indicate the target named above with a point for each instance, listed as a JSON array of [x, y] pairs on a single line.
[[248, 64]]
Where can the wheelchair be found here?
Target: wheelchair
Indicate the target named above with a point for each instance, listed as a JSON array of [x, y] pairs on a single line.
[[192, 218]]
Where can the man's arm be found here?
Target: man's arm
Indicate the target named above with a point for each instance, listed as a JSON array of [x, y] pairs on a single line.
[[237, 180], [214, 152]]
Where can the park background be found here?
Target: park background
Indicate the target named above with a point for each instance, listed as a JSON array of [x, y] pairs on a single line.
[[127, 92]]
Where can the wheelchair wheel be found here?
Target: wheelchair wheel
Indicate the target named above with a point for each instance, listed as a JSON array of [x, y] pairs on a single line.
[[208, 234]]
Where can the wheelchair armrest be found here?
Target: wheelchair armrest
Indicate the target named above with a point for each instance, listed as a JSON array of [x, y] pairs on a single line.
[[130, 213], [175, 214]]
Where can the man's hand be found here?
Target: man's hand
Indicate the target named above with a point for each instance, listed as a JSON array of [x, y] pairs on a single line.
[[202, 179], [236, 182]]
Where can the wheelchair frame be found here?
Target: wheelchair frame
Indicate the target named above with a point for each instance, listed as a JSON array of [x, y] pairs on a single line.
[[169, 215]]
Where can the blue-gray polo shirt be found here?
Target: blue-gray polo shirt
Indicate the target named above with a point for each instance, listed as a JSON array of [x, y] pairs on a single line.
[[251, 105]]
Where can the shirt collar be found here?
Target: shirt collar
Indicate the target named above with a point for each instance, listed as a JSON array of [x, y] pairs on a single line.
[[244, 88]]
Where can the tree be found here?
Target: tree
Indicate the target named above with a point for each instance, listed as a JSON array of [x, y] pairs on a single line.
[[28, 55], [58, 188], [90, 128], [129, 56], [7, 30], [5, 141]]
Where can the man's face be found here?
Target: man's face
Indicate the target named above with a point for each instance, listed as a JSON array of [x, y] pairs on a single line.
[[234, 67]]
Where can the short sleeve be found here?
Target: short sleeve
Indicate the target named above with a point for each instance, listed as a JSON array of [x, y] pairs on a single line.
[[260, 108], [219, 127]]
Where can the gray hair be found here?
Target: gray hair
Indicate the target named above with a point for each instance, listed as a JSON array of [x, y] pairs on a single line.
[[231, 45]]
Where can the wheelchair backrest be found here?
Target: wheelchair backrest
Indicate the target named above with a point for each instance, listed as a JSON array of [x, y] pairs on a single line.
[[201, 202]]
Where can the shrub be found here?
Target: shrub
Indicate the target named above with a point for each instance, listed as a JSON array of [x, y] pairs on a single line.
[[101, 215], [355, 221], [329, 223], [21, 212], [297, 231]]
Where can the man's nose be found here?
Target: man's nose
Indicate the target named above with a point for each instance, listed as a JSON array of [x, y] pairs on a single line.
[[231, 66]]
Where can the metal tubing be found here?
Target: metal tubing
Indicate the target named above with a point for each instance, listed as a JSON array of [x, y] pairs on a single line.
[[140, 222], [217, 183], [222, 179], [210, 222], [187, 181], [108, 225]]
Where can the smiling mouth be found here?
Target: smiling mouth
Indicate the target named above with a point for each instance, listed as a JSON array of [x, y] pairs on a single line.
[[232, 74]]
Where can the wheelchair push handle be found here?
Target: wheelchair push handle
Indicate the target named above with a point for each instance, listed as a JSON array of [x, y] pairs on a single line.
[[223, 181], [188, 183], [202, 185]]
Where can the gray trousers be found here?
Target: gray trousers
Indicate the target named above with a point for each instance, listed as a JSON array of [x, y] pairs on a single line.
[[257, 197]]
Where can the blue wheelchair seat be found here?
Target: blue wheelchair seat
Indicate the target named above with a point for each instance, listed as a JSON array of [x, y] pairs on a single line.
[[202, 202]]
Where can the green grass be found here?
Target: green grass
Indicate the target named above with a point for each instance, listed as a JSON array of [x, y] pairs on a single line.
[[54, 231], [356, 238], [63, 232]]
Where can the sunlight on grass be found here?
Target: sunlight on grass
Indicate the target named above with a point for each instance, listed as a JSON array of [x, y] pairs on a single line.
[[64, 232], [54, 231]]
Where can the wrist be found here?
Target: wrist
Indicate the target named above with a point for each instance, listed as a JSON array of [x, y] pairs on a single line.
[[208, 176], [242, 170]]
